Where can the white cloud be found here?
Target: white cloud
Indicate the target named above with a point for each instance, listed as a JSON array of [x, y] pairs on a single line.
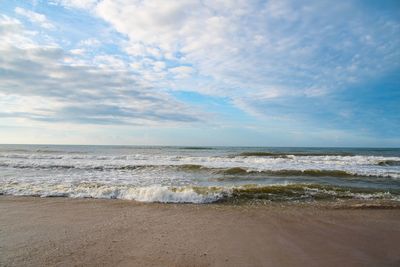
[[34, 17], [110, 62], [256, 54], [182, 71], [10, 29], [80, 4], [44, 83], [91, 42], [78, 51], [243, 47]]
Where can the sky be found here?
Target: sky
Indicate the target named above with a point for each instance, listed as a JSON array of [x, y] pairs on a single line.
[[191, 72]]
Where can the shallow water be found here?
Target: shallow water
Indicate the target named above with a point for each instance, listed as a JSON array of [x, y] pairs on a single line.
[[200, 174]]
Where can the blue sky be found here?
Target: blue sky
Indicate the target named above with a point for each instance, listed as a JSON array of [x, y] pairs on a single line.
[[245, 73]]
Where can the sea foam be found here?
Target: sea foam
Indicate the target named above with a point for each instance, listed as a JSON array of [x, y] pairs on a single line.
[[168, 174], [191, 194]]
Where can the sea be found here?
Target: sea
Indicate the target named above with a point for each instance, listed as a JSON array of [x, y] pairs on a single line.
[[201, 174]]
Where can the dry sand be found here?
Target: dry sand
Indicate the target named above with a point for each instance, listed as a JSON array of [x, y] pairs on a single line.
[[88, 232]]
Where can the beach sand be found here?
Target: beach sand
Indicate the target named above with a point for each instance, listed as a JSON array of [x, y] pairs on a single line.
[[89, 232]]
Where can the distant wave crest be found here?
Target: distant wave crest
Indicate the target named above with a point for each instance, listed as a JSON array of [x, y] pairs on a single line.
[[234, 171], [285, 155]]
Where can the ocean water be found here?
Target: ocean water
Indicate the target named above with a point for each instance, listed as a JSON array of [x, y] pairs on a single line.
[[200, 174]]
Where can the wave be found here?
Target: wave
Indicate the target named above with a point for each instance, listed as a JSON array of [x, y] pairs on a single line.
[[161, 194], [287, 154], [50, 151], [183, 167], [260, 154], [308, 172], [190, 167], [389, 163], [232, 172], [193, 194], [14, 150], [196, 148], [37, 166], [66, 155], [309, 192]]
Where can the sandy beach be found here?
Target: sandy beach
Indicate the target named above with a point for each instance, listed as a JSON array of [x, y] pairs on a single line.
[[89, 232]]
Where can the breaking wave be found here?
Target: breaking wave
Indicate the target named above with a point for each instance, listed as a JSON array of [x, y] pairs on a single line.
[[155, 193], [389, 163], [285, 155], [173, 174], [193, 194], [291, 172], [234, 171]]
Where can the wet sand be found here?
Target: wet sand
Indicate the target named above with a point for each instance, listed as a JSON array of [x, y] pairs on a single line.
[[88, 232]]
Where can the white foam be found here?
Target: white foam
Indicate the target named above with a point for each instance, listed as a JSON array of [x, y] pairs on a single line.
[[163, 194], [168, 195], [110, 168], [155, 193]]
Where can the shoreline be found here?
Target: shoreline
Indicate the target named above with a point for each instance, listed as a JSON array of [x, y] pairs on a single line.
[[94, 232]]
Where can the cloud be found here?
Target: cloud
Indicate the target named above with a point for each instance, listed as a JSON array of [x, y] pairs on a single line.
[[242, 48], [10, 29], [34, 17], [281, 61], [182, 71], [91, 42], [38, 83], [78, 51], [80, 4]]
